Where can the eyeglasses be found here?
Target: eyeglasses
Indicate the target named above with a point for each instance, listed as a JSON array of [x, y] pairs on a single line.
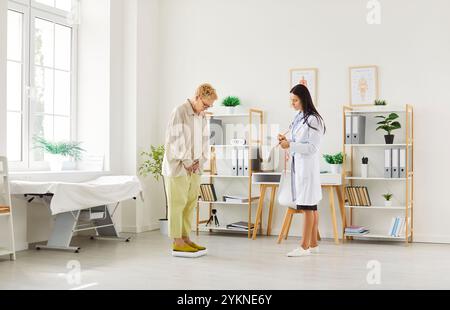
[[205, 105]]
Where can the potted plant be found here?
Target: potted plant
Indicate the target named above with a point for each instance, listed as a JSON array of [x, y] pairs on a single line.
[[335, 162], [380, 102], [365, 168], [388, 200], [57, 152], [152, 164], [231, 103], [389, 124]]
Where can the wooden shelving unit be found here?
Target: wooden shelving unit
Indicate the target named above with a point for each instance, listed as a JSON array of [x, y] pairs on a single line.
[[250, 116], [6, 217], [349, 178]]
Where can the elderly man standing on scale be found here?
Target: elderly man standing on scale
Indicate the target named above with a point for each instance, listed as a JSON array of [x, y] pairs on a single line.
[[187, 149]]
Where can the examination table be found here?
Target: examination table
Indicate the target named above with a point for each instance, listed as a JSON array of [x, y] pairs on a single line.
[[81, 206]]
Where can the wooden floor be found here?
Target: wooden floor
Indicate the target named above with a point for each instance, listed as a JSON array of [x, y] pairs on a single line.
[[234, 262]]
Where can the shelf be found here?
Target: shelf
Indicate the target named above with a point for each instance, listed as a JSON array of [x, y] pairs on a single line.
[[377, 208], [376, 236], [229, 145], [375, 179], [377, 109], [222, 228], [378, 145], [229, 203], [225, 176], [5, 214], [228, 115]]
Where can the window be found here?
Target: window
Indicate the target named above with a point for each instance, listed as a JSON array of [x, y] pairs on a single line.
[[15, 82], [41, 77]]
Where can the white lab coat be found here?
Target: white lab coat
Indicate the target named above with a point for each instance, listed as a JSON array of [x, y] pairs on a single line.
[[306, 152]]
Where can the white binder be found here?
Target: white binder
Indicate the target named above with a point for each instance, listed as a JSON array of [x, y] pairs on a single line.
[[395, 163], [234, 162], [246, 159], [240, 161], [402, 163], [388, 163], [358, 129], [348, 130]]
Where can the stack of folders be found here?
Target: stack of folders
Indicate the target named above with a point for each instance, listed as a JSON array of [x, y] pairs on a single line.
[[356, 231], [239, 161], [242, 226], [208, 192], [358, 196], [398, 227], [395, 163], [238, 199], [355, 129]]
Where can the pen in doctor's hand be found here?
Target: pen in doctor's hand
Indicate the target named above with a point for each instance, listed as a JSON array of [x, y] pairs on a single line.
[[282, 135]]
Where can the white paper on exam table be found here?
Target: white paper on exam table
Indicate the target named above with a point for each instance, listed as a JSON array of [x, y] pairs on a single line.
[[77, 196]]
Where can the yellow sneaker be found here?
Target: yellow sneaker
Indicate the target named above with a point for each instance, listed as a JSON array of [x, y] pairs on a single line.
[[198, 247], [184, 248]]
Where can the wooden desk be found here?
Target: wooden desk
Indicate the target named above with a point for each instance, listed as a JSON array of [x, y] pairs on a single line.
[[330, 187]]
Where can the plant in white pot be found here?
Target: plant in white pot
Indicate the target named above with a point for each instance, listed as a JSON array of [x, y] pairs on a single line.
[[58, 152], [335, 162], [152, 164], [231, 103], [388, 200]]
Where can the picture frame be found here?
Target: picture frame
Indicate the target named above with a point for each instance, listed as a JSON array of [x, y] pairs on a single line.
[[363, 85], [308, 77]]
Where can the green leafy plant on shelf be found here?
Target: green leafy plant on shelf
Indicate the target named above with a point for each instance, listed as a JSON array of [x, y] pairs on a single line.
[[337, 159], [388, 200], [389, 124], [231, 101], [63, 148], [380, 102], [388, 197], [152, 164]]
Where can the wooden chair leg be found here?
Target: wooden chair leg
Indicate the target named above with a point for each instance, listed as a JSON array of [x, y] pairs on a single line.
[[283, 228], [288, 229]]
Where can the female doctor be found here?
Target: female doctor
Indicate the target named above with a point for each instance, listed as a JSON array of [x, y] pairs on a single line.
[[307, 131]]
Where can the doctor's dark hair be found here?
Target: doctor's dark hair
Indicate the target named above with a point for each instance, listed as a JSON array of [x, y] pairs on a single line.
[[302, 92]]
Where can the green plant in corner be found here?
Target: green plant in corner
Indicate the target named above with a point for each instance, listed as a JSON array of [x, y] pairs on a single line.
[[231, 101], [380, 102], [388, 197], [152, 164], [65, 149], [337, 159]]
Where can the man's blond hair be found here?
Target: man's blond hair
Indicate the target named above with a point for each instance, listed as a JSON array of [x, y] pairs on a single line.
[[206, 91]]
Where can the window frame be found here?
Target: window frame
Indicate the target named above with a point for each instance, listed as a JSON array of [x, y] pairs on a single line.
[[24, 10], [31, 10]]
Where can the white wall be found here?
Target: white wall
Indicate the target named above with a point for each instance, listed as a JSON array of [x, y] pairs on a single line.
[[148, 105], [246, 48], [93, 78], [116, 82], [3, 24], [140, 105]]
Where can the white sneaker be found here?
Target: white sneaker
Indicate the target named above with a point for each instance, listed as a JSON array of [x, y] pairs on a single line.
[[315, 250], [299, 252]]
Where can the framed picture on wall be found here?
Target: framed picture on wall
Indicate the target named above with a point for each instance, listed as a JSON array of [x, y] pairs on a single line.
[[363, 85], [307, 77]]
